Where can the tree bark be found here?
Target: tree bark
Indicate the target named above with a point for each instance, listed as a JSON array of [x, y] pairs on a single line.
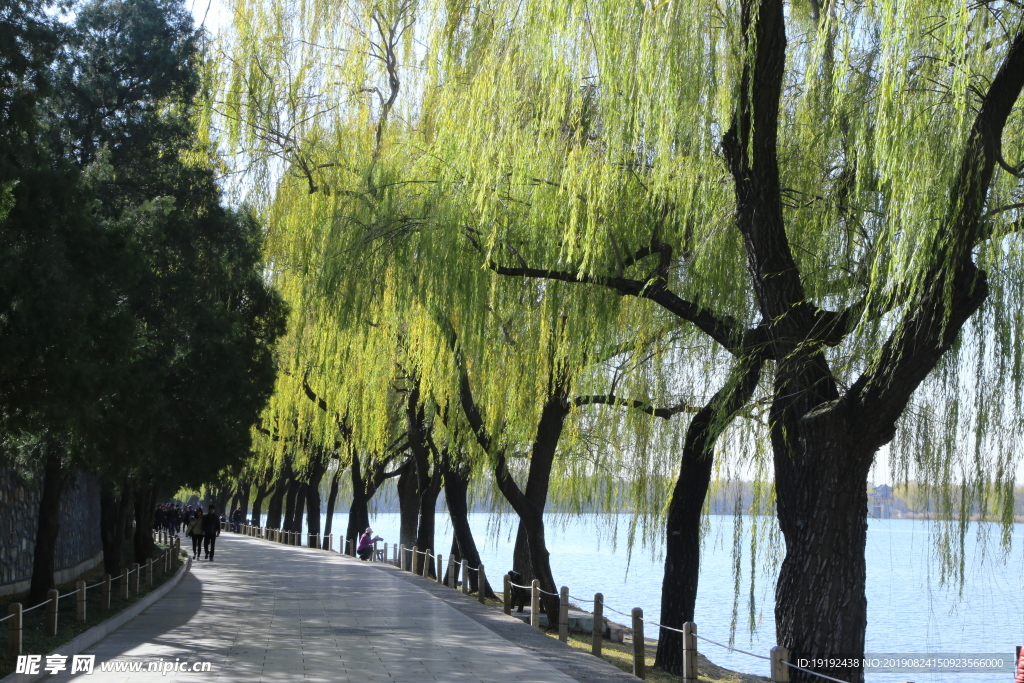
[[456, 487], [49, 525], [359, 511], [332, 498], [294, 487], [257, 504], [408, 506], [145, 503], [277, 499], [682, 525], [316, 475], [245, 488], [114, 507]]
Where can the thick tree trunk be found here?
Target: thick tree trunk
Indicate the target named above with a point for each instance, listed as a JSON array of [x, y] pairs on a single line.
[[332, 498], [408, 506], [274, 509], [49, 523], [257, 504], [300, 507], [294, 486], [521, 555], [313, 503], [456, 487], [245, 489], [358, 512], [682, 532], [114, 507], [145, 503], [425, 532]]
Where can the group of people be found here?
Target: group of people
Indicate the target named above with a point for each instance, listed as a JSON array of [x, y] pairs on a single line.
[[202, 529]]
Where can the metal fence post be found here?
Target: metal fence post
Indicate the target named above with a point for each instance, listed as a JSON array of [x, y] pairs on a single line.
[[597, 630], [639, 665]]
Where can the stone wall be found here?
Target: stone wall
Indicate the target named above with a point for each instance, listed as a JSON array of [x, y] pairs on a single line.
[[78, 538]]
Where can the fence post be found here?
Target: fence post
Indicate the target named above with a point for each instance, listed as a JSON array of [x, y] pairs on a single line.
[[780, 672], [597, 630], [507, 606], [385, 549], [535, 603], [80, 605], [690, 652], [440, 568], [124, 583], [135, 578], [51, 612], [481, 584], [426, 564], [14, 630], [415, 558], [465, 576], [639, 665], [105, 592], [401, 557], [563, 614], [149, 573]]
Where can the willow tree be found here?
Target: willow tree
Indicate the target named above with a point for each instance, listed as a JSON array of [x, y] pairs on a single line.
[[850, 161], [823, 189]]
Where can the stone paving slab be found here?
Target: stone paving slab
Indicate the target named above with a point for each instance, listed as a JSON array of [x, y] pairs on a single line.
[[268, 612]]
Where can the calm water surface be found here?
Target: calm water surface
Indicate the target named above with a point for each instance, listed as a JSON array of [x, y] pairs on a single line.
[[908, 610]]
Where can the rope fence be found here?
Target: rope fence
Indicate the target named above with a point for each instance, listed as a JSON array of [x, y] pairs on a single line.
[[37, 606], [15, 625]]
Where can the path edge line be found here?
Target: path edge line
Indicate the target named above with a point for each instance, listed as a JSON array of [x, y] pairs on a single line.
[[105, 628]]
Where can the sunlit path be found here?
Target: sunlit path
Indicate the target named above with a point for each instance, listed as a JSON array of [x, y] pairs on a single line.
[[269, 612]]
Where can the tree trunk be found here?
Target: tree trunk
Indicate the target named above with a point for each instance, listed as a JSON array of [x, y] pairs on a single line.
[[682, 526], [222, 501], [257, 504], [456, 487], [521, 555], [332, 498], [425, 532], [114, 506], [313, 501], [245, 488], [300, 507], [408, 506], [294, 485], [358, 512], [145, 503], [277, 499], [49, 525], [457, 555]]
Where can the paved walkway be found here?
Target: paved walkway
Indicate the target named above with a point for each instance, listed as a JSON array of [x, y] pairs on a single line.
[[268, 612]]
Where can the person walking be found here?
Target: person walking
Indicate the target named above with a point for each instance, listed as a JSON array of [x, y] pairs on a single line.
[[211, 530], [195, 531]]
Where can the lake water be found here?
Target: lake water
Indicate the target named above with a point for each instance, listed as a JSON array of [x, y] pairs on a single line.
[[908, 610]]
